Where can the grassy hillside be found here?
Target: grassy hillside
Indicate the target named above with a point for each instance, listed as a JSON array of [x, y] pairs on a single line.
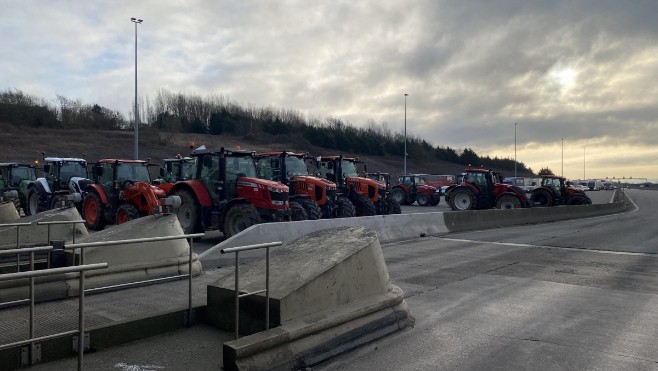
[[26, 145]]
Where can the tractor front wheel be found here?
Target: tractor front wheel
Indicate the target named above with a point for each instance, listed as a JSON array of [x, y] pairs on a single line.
[[188, 212], [313, 211], [297, 212], [394, 207], [93, 210], [398, 195], [126, 212], [364, 206], [238, 218], [508, 202], [541, 197], [578, 200], [462, 199], [436, 198], [344, 208], [423, 199]]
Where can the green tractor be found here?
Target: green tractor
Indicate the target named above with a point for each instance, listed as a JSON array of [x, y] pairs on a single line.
[[14, 179], [64, 180]]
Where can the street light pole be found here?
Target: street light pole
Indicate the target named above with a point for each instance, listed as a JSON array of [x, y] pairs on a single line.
[[136, 146], [584, 177], [405, 133], [562, 157], [515, 124]]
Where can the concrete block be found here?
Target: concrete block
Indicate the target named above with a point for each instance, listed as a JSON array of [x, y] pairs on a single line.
[[8, 213], [37, 235]]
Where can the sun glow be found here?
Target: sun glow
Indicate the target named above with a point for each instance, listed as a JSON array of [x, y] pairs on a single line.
[[565, 77]]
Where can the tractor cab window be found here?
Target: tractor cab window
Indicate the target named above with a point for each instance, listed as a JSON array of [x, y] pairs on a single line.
[[266, 168], [349, 168], [296, 166], [478, 179], [51, 174], [69, 170], [105, 179], [140, 172], [406, 180], [20, 173], [327, 170]]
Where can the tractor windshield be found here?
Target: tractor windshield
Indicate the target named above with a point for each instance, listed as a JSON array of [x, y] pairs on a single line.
[[296, 166], [179, 170], [21, 173], [244, 166], [69, 170], [349, 168], [135, 171]]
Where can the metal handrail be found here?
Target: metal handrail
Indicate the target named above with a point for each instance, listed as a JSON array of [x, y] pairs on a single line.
[[81, 294], [189, 237], [238, 295]]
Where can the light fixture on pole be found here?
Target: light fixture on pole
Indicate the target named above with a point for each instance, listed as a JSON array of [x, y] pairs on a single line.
[[515, 149], [136, 146], [405, 133]]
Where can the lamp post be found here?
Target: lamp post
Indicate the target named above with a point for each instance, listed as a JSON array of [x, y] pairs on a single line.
[[405, 133], [136, 146], [584, 177], [515, 124], [562, 173]]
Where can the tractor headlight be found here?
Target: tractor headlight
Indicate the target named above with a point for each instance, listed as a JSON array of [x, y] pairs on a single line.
[[274, 189]]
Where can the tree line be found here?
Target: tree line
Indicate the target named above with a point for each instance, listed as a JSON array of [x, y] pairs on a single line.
[[216, 115]]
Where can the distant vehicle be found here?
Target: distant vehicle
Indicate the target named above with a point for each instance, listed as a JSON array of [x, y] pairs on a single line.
[[607, 186], [581, 187], [595, 185], [526, 184]]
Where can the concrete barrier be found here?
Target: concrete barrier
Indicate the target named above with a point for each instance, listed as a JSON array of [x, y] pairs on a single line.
[[8, 213], [323, 286], [37, 235]]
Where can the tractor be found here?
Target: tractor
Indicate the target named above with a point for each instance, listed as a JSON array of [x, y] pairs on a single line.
[[14, 179], [553, 192], [370, 197], [174, 170], [412, 188], [484, 189], [226, 194], [64, 180], [318, 196], [122, 191]]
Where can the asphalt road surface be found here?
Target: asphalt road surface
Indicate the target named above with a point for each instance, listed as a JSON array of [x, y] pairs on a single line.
[[573, 295]]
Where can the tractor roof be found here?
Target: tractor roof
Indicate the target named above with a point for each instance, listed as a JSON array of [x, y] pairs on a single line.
[[14, 164], [552, 176], [334, 157], [110, 160], [474, 170], [64, 159], [222, 150], [178, 159], [279, 153]]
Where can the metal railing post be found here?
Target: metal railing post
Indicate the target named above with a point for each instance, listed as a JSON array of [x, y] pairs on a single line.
[[32, 360], [18, 246], [237, 295], [81, 314], [267, 288], [189, 284]]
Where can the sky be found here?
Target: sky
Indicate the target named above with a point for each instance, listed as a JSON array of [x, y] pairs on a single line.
[[568, 85]]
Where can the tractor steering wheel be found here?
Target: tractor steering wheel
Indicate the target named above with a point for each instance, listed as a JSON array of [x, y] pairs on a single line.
[[126, 183]]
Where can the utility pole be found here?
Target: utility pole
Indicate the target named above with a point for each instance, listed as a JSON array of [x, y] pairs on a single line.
[[136, 146], [515, 124], [405, 133]]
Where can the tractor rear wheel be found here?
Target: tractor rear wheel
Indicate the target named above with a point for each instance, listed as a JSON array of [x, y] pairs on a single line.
[[541, 197], [344, 208], [398, 195], [462, 199], [238, 218], [364, 206], [422, 199], [93, 210], [297, 212], [578, 200], [394, 207], [508, 202], [313, 211], [188, 212], [126, 212]]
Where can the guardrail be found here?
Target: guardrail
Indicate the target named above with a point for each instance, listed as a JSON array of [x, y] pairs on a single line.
[[238, 294], [34, 353]]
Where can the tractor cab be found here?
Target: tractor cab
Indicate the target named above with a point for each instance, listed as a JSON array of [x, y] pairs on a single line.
[[14, 180]]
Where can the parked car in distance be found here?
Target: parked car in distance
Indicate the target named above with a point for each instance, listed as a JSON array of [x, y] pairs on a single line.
[[595, 185], [581, 187]]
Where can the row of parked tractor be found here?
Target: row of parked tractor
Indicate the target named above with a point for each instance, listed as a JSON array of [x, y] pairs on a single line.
[[232, 189]]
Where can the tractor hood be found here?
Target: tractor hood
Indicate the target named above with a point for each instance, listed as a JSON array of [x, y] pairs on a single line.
[[262, 183], [314, 180]]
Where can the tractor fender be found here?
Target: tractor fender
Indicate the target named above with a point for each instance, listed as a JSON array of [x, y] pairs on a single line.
[[200, 192], [401, 186], [42, 186], [98, 189], [78, 184]]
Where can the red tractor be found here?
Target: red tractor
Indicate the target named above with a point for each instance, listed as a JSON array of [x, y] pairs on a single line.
[[412, 188], [484, 189], [122, 191], [318, 196], [554, 192], [226, 194], [370, 197]]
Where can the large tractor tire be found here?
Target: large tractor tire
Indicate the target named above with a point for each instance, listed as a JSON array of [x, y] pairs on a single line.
[[423, 199], [126, 212], [238, 218], [398, 195], [297, 212], [436, 198], [313, 211], [188, 212], [364, 206], [344, 208], [394, 207], [462, 199], [508, 202], [93, 211], [579, 200], [541, 197], [34, 204]]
